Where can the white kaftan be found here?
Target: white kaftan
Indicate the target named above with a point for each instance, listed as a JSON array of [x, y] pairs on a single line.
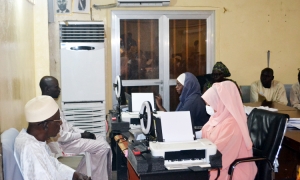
[[295, 95], [35, 160], [275, 93], [70, 141]]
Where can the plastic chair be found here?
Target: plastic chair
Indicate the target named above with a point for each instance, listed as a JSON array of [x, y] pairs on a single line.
[[11, 169]]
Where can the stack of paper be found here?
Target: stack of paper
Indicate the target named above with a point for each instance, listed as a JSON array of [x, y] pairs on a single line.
[[294, 122], [248, 109]]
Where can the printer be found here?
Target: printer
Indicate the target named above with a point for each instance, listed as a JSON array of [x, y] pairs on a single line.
[[175, 142]]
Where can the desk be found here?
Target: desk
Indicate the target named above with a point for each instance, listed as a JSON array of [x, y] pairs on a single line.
[[167, 174], [162, 174], [289, 156], [118, 160], [275, 105]]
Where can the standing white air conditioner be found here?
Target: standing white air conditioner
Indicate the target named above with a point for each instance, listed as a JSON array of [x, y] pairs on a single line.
[[83, 74]]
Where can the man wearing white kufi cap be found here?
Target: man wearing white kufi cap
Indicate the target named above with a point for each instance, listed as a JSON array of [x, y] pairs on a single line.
[[74, 140], [31, 152]]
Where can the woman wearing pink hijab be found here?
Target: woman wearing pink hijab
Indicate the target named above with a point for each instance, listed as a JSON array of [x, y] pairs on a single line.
[[227, 128]]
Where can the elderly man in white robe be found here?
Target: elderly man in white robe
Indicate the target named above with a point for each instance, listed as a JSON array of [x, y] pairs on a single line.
[[295, 93], [32, 154], [75, 141], [268, 89]]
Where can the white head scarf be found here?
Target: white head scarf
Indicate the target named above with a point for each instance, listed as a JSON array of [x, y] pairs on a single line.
[[181, 78]]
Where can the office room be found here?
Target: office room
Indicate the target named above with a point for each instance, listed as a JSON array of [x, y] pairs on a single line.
[[238, 33]]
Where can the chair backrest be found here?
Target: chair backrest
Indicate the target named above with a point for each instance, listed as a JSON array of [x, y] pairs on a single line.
[[10, 167], [245, 93], [266, 130]]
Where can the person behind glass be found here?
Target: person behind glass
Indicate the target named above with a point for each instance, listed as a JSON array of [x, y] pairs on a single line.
[[295, 93], [62, 5], [31, 152], [190, 99], [227, 129], [219, 74]]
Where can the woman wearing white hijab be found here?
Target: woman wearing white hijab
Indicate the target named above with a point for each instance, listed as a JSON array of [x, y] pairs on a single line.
[[190, 99], [227, 128]]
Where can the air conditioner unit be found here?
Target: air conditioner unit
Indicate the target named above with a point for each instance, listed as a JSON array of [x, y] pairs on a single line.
[[143, 2], [82, 51]]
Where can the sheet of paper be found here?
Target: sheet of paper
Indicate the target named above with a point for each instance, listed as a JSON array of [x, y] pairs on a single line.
[[137, 100], [294, 125], [176, 126], [294, 119]]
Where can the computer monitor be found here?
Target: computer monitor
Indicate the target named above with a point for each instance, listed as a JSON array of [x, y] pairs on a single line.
[[137, 100]]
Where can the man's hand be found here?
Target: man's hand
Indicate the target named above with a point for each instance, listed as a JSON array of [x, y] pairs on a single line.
[[88, 135], [79, 176]]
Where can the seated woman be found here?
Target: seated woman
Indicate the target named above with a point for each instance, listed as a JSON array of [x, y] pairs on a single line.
[[227, 128], [295, 93], [190, 99], [219, 74]]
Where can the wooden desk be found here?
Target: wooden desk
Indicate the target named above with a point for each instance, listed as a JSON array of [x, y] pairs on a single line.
[[292, 114], [275, 105], [289, 156]]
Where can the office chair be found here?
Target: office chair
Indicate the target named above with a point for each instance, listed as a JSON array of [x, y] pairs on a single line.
[[10, 167], [266, 131]]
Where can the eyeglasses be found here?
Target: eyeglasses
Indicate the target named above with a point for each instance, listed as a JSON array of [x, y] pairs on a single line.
[[50, 120]]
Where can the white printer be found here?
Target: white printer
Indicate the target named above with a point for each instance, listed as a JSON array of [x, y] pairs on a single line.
[[177, 146]]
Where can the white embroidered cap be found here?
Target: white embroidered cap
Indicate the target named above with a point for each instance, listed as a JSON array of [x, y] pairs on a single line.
[[40, 108], [181, 78]]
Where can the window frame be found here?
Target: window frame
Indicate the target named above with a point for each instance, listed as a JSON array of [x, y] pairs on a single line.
[[163, 18]]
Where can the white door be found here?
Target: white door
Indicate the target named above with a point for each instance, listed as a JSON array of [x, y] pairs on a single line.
[[151, 48]]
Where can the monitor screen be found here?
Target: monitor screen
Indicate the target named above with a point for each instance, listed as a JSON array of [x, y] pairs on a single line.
[[137, 100]]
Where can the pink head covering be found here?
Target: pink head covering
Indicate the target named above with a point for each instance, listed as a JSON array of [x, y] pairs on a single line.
[[225, 99]]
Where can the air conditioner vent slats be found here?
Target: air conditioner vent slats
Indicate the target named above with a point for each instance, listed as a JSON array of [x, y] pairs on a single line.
[[81, 33]]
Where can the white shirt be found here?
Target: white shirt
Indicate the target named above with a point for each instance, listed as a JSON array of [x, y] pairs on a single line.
[[295, 95], [275, 93], [68, 132], [35, 160]]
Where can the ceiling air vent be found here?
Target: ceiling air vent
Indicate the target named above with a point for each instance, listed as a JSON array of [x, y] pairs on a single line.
[[73, 32]]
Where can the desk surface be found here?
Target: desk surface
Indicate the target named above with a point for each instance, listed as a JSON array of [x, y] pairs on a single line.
[[293, 134], [275, 105], [292, 112]]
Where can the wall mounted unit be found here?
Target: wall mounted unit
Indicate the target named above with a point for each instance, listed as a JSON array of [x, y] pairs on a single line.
[[143, 2], [83, 74]]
